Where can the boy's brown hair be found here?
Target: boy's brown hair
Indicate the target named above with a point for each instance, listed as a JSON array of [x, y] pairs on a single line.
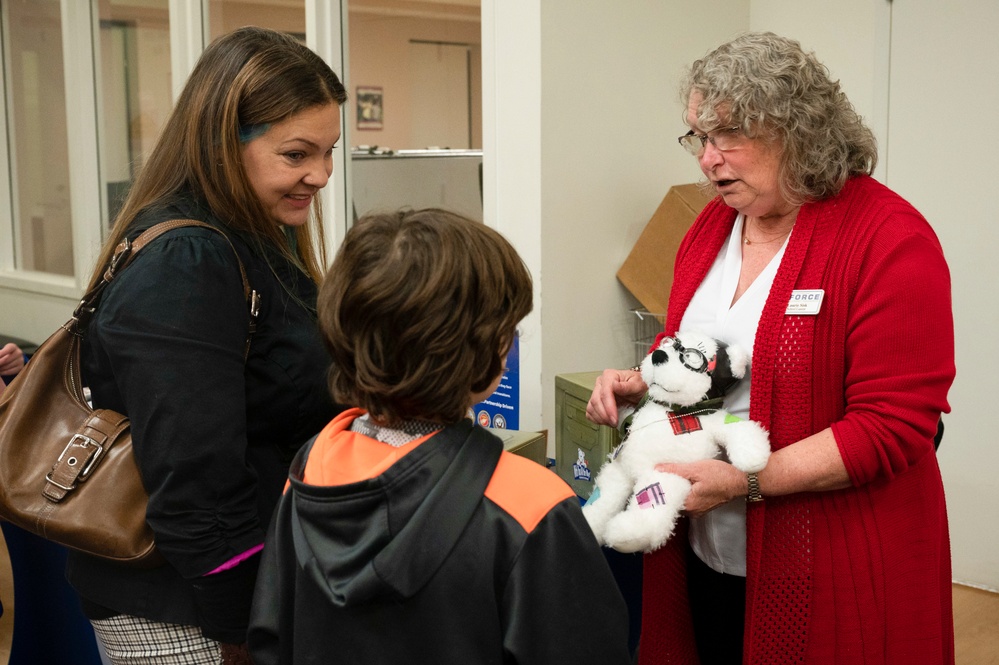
[[419, 311]]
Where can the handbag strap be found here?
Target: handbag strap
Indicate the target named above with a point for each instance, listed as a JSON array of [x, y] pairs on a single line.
[[125, 253]]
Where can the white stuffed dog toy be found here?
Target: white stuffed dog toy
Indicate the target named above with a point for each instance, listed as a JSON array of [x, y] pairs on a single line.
[[633, 507]]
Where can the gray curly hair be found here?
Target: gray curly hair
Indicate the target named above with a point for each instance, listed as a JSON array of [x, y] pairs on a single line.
[[771, 88]]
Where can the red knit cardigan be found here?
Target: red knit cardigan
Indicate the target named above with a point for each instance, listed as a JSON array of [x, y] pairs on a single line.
[[860, 575]]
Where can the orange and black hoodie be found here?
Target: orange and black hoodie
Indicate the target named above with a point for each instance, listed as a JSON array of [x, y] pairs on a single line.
[[446, 550]]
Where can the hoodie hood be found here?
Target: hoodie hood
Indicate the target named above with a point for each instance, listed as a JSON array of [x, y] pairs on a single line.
[[385, 538]]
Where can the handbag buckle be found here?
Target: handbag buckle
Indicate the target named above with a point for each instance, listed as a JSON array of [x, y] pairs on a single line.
[[94, 453], [84, 441], [121, 253]]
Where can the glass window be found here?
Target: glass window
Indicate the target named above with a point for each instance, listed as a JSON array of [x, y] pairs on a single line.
[[35, 97], [415, 74], [136, 73], [136, 96], [283, 15], [414, 117]]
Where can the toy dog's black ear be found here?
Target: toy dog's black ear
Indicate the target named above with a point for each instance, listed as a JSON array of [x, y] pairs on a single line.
[[722, 378]]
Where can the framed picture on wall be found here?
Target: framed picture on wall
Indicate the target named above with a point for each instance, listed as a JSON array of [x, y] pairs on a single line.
[[369, 107]]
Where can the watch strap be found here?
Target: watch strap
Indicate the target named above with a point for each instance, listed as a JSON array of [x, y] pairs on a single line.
[[754, 495]]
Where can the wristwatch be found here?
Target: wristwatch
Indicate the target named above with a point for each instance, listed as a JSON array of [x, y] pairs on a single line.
[[754, 488]]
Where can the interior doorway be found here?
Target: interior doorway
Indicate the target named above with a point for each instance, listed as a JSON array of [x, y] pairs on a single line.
[[440, 94]]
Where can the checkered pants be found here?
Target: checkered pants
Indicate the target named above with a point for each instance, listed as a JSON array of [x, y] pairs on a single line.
[[129, 640]]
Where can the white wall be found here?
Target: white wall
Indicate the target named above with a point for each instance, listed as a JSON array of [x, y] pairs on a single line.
[[511, 175], [943, 158], [851, 37], [610, 115]]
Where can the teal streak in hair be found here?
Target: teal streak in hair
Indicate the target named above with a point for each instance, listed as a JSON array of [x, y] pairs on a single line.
[[249, 132]]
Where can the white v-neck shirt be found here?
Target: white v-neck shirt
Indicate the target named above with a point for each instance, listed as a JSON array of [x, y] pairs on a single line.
[[719, 538]]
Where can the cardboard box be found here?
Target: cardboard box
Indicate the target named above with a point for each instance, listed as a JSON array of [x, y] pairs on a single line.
[[648, 271]]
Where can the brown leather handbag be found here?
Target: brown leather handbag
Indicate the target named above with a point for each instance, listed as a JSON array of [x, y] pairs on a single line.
[[67, 472]]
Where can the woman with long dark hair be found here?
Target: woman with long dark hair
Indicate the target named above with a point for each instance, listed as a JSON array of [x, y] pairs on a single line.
[[216, 413]]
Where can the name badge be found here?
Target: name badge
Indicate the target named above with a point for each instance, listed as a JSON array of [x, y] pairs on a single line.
[[805, 302]]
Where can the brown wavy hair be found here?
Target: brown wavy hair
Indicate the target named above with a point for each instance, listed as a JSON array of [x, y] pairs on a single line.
[[419, 311], [248, 77], [770, 87]]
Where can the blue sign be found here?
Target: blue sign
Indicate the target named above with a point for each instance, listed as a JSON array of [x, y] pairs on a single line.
[[502, 409]]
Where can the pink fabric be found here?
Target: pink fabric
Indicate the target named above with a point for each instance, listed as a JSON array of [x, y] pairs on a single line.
[[860, 575], [236, 560]]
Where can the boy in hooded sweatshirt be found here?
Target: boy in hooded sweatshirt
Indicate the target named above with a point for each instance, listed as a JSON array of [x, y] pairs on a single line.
[[407, 534]]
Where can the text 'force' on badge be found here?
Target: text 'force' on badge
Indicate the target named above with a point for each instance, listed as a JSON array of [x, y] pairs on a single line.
[[805, 302]]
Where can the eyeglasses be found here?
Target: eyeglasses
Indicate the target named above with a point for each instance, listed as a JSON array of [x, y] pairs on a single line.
[[727, 138], [691, 358]]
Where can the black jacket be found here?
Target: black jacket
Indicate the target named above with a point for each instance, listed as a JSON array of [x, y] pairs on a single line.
[[423, 564], [213, 434]]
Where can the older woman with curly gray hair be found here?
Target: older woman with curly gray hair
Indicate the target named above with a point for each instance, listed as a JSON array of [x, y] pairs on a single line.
[[837, 551]]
